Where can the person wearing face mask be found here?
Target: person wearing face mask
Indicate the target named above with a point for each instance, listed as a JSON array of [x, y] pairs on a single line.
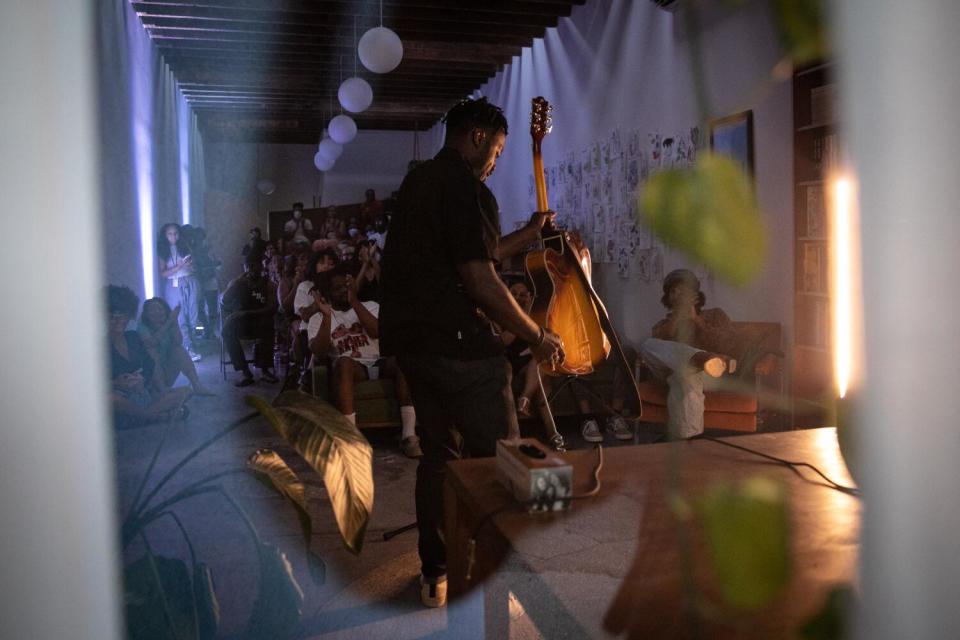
[[298, 229], [438, 273]]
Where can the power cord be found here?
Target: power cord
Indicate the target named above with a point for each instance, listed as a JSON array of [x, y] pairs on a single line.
[[853, 491], [472, 544]]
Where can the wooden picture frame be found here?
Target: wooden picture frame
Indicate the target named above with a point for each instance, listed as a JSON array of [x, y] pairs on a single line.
[[733, 137]]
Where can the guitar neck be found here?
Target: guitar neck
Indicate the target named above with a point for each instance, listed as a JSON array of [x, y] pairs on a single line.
[[539, 179]]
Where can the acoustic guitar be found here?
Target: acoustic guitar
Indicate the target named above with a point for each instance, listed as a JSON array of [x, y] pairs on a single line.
[[564, 298]]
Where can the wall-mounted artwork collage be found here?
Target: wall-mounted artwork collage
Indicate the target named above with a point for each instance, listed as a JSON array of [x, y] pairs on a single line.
[[594, 191]]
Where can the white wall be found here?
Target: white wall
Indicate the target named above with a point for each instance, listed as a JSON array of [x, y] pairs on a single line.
[[59, 560], [617, 63], [373, 160]]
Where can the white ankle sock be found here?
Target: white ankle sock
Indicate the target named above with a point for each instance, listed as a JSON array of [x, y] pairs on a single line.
[[408, 417], [352, 417]]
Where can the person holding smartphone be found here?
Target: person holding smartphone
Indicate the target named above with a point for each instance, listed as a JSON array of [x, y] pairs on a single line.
[[179, 285]]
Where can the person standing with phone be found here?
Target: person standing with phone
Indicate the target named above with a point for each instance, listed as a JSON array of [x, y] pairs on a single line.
[[179, 285]]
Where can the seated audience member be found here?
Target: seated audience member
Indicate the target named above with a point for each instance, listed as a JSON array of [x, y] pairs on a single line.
[[525, 370], [379, 233], [303, 304], [255, 244], [333, 226], [689, 342], [138, 394], [369, 275], [347, 331], [370, 208], [298, 230], [272, 263], [249, 304], [160, 334]]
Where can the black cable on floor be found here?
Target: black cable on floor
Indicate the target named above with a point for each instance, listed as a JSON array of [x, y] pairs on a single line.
[[853, 491]]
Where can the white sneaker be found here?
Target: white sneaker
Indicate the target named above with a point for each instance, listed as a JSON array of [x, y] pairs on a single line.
[[194, 356], [590, 430], [618, 427], [433, 591]]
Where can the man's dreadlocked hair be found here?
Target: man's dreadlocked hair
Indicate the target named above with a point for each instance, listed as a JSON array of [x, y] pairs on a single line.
[[473, 114]]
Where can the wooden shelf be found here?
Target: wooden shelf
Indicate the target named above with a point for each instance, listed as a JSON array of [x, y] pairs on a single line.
[[821, 125], [816, 146]]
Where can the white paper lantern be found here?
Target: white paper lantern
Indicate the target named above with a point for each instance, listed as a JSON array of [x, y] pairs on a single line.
[[322, 162], [266, 187], [380, 50], [330, 149], [342, 129], [355, 94]]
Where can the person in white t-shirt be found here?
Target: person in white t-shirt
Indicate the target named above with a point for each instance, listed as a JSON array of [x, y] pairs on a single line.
[[347, 331]]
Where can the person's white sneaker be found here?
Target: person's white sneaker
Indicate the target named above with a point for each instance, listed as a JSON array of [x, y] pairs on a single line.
[[618, 427], [591, 431], [194, 356], [433, 591]]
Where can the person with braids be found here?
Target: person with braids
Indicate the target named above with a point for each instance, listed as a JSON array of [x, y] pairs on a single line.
[[138, 394], [438, 274], [179, 283]]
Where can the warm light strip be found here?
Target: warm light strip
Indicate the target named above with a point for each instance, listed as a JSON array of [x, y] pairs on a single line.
[[843, 283]]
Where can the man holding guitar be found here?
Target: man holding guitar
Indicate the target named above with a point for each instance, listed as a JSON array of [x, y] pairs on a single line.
[[438, 270]]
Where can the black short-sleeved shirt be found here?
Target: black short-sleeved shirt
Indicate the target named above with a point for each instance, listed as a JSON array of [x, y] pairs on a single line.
[[446, 216]]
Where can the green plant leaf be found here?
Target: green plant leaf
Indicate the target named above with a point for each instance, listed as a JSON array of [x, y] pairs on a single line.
[[802, 25], [709, 212], [747, 529], [831, 622], [268, 467], [144, 608], [276, 611], [205, 601], [335, 449]]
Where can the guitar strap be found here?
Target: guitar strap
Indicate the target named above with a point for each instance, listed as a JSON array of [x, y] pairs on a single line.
[[608, 329]]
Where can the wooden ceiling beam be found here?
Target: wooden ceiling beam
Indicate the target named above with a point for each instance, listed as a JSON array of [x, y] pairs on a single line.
[[241, 54], [371, 7], [443, 31], [412, 50], [367, 16]]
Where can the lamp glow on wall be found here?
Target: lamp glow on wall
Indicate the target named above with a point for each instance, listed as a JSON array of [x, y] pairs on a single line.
[[845, 284]]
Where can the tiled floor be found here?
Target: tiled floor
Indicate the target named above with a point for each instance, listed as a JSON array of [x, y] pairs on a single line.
[[373, 595]]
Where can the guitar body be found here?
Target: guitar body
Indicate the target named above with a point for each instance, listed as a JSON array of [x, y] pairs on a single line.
[[563, 297], [563, 304]]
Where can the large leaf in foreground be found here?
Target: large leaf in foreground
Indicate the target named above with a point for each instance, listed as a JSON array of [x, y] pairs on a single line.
[[276, 611], [747, 528], [709, 212], [335, 449], [148, 604], [268, 467]]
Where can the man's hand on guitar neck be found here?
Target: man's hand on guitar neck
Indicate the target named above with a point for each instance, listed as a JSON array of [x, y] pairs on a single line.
[[540, 218], [514, 243]]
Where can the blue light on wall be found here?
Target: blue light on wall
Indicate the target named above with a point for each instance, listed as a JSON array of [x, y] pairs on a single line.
[[142, 103], [183, 135]]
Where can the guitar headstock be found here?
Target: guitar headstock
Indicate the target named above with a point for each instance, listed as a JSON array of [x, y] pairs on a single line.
[[540, 121]]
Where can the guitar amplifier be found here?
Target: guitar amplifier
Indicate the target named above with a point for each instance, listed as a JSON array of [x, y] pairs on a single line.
[[534, 474]]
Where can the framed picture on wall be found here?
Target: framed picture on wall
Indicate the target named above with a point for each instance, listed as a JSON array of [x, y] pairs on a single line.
[[733, 136]]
